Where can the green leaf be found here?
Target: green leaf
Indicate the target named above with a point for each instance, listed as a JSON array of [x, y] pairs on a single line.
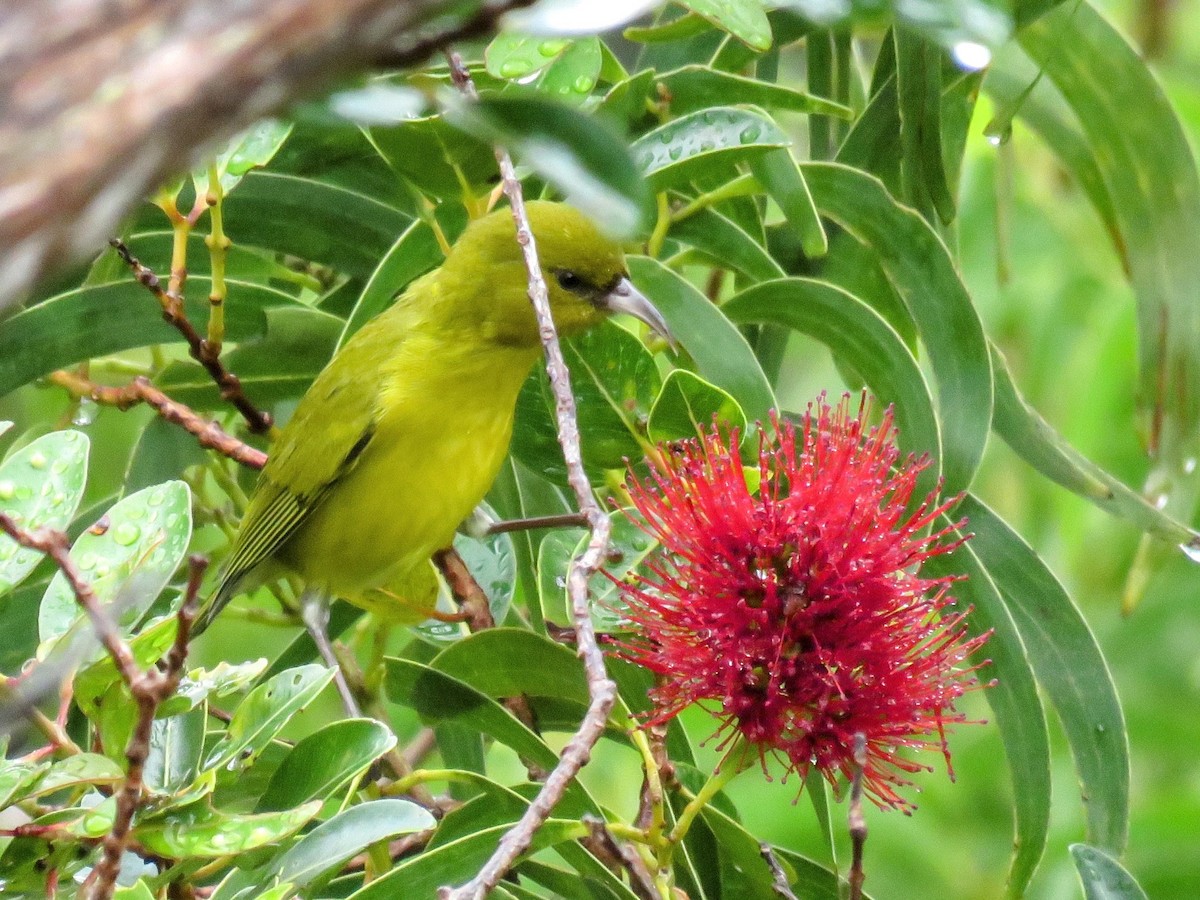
[[199, 831], [264, 712], [147, 648], [744, 19], [320, 222], [925, 276], [1068, 665], [573, 76], [726, 244], [432, 154], [685, 26], [784, 183], [439, 698], [319, 764], [720, 352], [62, 330], [40, 487], [615, 381], [332, 843], [1013, 696], [1047, 114], [741, 850], [492, 562], [75, 771], [128, 557], [858, 336], [1035, 441], [1102, 877], [687, 406], [584, 159], [163, 451], [813, 881], [17, 777], [704, 142], [176, 744], [253, 148], [919, 89], [298, 343], [508, 662], [457, 862], [554, 556], [139, 890], [699, 87], [513, 56], [221, 680], [1151, 175]]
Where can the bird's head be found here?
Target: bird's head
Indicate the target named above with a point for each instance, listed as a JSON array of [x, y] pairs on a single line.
[[584, 271]]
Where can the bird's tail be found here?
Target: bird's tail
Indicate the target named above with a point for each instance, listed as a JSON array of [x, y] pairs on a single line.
[[225, 592]]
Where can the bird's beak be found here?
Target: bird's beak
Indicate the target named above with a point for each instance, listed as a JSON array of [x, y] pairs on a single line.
[[625, 298]]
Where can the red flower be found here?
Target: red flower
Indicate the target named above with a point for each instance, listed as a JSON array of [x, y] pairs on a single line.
[[797, 607]]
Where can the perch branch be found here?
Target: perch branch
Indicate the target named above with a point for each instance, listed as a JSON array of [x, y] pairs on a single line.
[[205, 353], [209, 434], [149, 690], [601, 688]]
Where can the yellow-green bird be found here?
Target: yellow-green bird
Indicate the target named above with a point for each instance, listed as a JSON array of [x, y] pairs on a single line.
[[399, 438]]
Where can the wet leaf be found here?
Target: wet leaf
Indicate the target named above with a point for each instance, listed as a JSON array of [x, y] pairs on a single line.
[[40, 487], [128, 557]]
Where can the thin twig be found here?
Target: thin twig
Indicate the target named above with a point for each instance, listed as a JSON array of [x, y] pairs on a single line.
[[199, 349], [858, 825], [149, 689], [57, 545], [466, 590], [562, 520], [779, 880], [475, 605], [601, 688], [641, 882], [208, 433]]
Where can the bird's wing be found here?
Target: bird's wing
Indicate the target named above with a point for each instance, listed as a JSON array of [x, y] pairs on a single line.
[[326, 436]]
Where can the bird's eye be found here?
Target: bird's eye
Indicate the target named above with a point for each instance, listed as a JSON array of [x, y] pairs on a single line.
[[568, 280]]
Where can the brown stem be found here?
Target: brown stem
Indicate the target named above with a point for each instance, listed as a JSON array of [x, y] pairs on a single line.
[[56, 545], [607, 848], [208, 433], [474, 602], [466, 590], [779, 880], [208, 355], [601, 689], [563, 520], [149, 690], [858, 825]]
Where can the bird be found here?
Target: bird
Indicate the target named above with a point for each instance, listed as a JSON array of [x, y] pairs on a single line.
[[399, 438]]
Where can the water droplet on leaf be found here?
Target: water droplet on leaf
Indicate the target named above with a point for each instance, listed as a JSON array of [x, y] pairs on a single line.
[[126, 533]]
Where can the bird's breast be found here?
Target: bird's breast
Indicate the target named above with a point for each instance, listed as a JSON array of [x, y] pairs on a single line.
[[439, 441]]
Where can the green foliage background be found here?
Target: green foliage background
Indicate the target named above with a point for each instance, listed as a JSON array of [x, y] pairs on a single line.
[[316, 250]]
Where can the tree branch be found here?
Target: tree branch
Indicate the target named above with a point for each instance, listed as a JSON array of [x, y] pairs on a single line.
[[209, 434], [149, 690], [102, 102], [201, 350], [601, 688]]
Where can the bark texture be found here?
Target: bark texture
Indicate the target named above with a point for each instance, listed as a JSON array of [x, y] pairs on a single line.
[[103, 100]]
